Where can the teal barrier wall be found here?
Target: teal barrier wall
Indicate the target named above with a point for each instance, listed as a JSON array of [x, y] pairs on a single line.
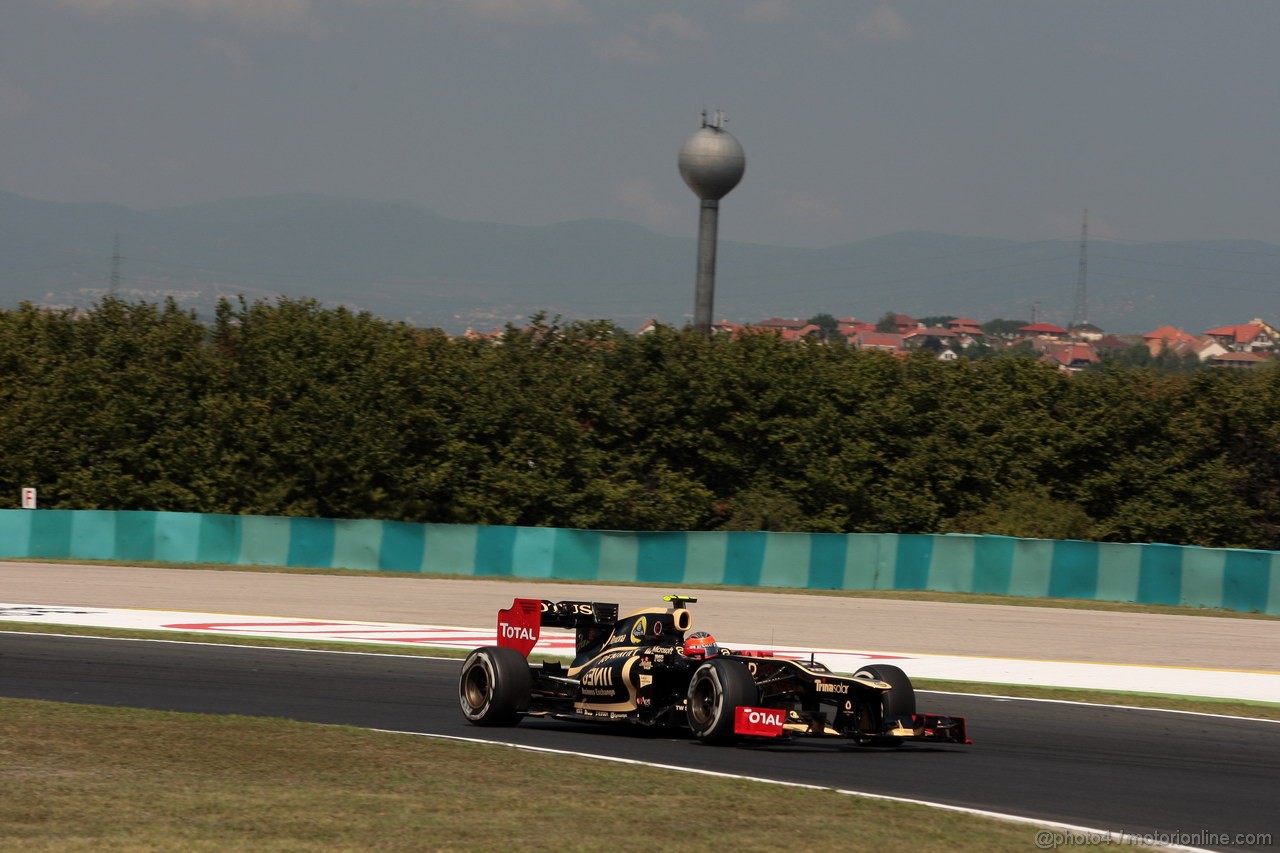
[[1150, 574]]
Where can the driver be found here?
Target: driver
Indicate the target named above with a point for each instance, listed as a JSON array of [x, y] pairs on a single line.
[[700, 645]]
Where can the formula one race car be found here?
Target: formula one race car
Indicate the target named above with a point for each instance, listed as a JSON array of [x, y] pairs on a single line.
[[646, 668]]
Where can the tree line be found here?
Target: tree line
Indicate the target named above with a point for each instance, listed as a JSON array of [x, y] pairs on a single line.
[[291, 408]]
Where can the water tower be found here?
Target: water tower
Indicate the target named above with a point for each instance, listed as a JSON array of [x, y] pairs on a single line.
[[711, 163]]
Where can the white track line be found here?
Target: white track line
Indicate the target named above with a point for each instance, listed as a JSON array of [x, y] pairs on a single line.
[[1095, 705], [992, 696], [1074, 829]]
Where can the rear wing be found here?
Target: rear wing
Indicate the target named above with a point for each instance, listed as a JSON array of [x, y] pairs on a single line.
[[575, 614], [520, 625]]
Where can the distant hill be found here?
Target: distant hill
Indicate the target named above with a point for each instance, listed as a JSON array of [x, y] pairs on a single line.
[[404, 262]]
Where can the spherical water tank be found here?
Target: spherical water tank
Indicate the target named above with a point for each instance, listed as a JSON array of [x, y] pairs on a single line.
[[711, 161]]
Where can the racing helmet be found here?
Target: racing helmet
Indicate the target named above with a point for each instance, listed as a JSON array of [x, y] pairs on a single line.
[[700, 644]]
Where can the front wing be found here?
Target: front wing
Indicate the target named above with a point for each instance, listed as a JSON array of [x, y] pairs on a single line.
[[792, 697], [773, 723]]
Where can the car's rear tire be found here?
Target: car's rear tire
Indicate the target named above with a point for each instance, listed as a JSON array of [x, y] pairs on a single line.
[[494, 686], [898, 701], [718, 688]]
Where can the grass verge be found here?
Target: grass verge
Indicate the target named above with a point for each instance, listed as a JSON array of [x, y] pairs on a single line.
[[1204, 705], [89, 778]]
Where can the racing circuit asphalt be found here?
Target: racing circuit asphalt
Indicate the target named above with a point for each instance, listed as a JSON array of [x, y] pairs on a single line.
[[1113, 769]]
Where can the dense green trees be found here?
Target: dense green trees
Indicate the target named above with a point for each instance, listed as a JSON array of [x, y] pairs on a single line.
[[290, 408], [828, 327]]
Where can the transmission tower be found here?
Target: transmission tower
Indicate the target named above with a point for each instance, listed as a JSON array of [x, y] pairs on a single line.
[[115, 268], [1081, 314]]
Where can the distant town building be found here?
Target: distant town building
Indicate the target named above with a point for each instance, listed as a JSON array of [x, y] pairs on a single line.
[[933, 338], [1243, 338], [965, 326], [1070, 356], [1085, 332], [1110, 344], [905, 323], [1244, 346], [1164, 338], [848, 328], [885, 341], [793, 324], [1043, 330], [1239, 360]]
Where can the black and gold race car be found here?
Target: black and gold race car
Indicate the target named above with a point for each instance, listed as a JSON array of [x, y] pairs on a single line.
[[648, 668]]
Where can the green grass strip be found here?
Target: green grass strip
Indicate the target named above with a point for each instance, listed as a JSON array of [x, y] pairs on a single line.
[[90, 778]]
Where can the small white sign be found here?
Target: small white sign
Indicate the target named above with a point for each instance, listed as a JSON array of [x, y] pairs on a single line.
[[28, 498]]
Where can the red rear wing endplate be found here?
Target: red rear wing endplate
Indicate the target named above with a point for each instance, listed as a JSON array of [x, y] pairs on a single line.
[[520, 625]]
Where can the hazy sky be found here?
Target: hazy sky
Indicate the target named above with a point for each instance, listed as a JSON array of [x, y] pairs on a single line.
[[999, 118]]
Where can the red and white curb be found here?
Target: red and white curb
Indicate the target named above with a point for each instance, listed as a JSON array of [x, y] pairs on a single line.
[[1212, 683], [275, 627]]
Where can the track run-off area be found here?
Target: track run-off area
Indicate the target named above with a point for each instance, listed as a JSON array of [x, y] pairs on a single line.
[[1256, 686], [1185, 778]]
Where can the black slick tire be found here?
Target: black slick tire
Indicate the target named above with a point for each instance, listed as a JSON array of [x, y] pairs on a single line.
[[494, 686], [898, 701], [718, 688]]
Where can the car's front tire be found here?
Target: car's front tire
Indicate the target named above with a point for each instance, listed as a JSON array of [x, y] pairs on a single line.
[[494, 686], [718, 688], [898, 701]]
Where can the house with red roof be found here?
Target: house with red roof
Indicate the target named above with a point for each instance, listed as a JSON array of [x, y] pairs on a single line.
[[905, 323], [1205, 348], [1069, 356], [847, 327], [1110, 344], [724, 327], [1164, 338], [1240, 360], [808, 330], [780, 323], [934, 338], [1243, 338], [885, 341], [1042, 330], [787, 330], [965, 326]]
